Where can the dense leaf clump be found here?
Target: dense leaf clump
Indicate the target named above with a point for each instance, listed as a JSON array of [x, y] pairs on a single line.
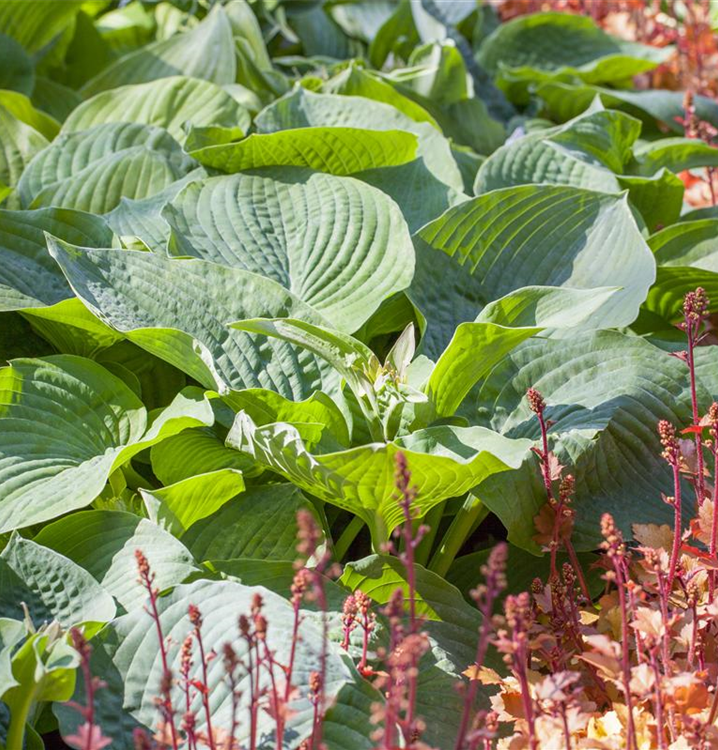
[[275, 270]]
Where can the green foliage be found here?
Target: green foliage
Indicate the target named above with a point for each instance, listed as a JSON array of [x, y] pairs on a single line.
[[249, 253]]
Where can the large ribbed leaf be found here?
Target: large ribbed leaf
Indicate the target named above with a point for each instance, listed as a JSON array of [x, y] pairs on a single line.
[[336, 150], [180, 505], [141, 220], [171, 103], [586, 152], [132, 643], [35, 24], [17, 72], [605, 393], [179, 311], [51, 462], [418, 192], [206, 51], [103, 542], [260, 524], [523, 236], [544, 45], [336, 243], [302, 109], [52, 586], [19, 144], [29, 277], [566, 100], [687, 257], [193, 452], [444, 461], [21, 107], [92, 170]]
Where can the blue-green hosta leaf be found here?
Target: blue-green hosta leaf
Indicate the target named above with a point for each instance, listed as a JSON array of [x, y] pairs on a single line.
[[51, 585], [36, 24], [452, 626], [444, 461], [171, 103], [690, 243], [17, 71], [528, 235], [178, 310], [193, 452], [337, 243], [352, 359], [21, 107], [92, 170], [687, 257], [127, 28], [132, 644], [71, 328], [476, 347], [11, 633], [658, 198], [437, 72], [103, 542], [318, 418], [566, 100], [19, 144], [54, 98], [419, 193], [355, 81], [301, 109], [586, 152], [51, 462], [260, 524], [362, 20], [206, 52], [336, 150], [675, 154], [142, 219], [546, 45], [159, 382], [29, 277], [180, 505], [521, 569], [605, 392]]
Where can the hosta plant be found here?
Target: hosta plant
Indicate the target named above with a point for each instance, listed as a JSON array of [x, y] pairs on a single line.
[[358, 374]]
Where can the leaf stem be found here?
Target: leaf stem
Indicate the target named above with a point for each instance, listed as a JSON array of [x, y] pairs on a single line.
[[432, 521], [347, 537], [470, 515]]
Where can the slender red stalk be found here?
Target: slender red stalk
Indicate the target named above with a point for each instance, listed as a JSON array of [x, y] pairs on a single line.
[[495, 582], [147, 578], [615, 549], [196, 620]]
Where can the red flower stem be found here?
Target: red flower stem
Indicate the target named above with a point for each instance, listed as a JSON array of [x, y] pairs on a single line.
[[365, 643], [293, 650], [520, 669], [676, 526], [167, 696], [252, 697], [625, 663], [470, 696], [278, 709], [205, 691], [691, 330], [714, 521], [577, 567], [658, 703]]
